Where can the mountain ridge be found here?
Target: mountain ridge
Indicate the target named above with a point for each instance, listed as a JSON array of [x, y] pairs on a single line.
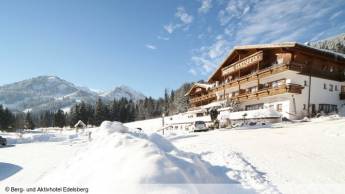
[[335, 43], [52, 93]]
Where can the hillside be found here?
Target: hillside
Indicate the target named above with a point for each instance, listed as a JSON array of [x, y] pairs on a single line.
[[336, 44], [52, 92]]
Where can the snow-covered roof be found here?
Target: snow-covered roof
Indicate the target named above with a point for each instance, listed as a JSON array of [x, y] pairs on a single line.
[[214, 104], [80, 123], [202, 85], [201, 110], [289, 44], [335, 55]]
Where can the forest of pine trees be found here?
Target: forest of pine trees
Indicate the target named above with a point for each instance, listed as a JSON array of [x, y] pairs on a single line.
[[122, 110], [6, 118]]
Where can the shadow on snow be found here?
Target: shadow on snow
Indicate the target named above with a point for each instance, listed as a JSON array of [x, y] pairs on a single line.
[[7, 170]]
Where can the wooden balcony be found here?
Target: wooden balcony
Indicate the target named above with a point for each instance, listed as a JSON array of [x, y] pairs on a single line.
[[245, 96], [260, 74], [264, 92], [208, 97]]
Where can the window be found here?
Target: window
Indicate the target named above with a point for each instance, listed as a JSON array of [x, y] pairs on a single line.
[[336, 88], [255, 106], [275, 84], [279, 107], [252, 89], [305, 83], [304, 106], [331, 69], [199, 114], [327, 108], [325, 86], [331, 87], [280, 60]]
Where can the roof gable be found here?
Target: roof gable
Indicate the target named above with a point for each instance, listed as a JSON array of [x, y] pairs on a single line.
[[238, 49], [198, 85]]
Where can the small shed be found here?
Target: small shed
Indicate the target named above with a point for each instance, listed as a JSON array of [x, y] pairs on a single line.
[[80, 125]]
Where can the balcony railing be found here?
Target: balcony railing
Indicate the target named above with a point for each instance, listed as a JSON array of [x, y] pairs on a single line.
[[265, 91], [210, 96], [270, 91], [249, 95], [260, 74]]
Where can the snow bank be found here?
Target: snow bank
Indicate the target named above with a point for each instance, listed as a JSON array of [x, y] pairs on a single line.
[[251, 114], [112, 127], [150, 125], [120, 160], [16, 138], [342, 110]]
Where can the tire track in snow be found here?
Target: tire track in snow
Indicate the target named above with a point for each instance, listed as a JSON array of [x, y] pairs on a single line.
[[239, 168]]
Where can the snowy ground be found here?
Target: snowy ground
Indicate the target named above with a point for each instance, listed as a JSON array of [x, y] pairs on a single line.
[[116, 160], [287, 158], [284, 158]]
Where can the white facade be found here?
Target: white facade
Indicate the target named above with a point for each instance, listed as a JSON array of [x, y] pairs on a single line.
[[295, 106]]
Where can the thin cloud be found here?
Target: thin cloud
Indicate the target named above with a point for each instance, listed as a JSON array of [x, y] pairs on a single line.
[[170, 28], [193, 71], [184, 17], [163, 38], [184, 20], [150, 46], [335, 15], [233, 9], [206, 5]]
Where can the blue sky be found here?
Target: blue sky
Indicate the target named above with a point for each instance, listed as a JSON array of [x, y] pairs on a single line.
[[148, 45]]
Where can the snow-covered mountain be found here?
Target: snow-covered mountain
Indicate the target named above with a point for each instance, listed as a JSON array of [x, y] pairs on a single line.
[[335, 43], [123, 92], [51, 93]]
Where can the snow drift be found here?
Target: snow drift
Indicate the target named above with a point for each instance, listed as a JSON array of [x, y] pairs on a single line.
[[120, 160], [15, 138]]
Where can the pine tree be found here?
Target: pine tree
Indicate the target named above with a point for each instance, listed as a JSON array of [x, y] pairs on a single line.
[[123, 111], [19, 122], [46, 119], [59, 119], [166, 102], [114, 111], [90, 115], [101, 112], [29, 124], [74, 115], [7, 119]]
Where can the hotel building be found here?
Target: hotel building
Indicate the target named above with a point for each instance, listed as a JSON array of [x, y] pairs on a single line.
[[291, 78]]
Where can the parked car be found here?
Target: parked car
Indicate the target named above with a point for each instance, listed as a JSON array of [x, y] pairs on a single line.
[[199, 126], [3, 141]]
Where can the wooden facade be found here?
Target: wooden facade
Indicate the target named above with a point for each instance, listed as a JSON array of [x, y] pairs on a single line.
[[248, 64]]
